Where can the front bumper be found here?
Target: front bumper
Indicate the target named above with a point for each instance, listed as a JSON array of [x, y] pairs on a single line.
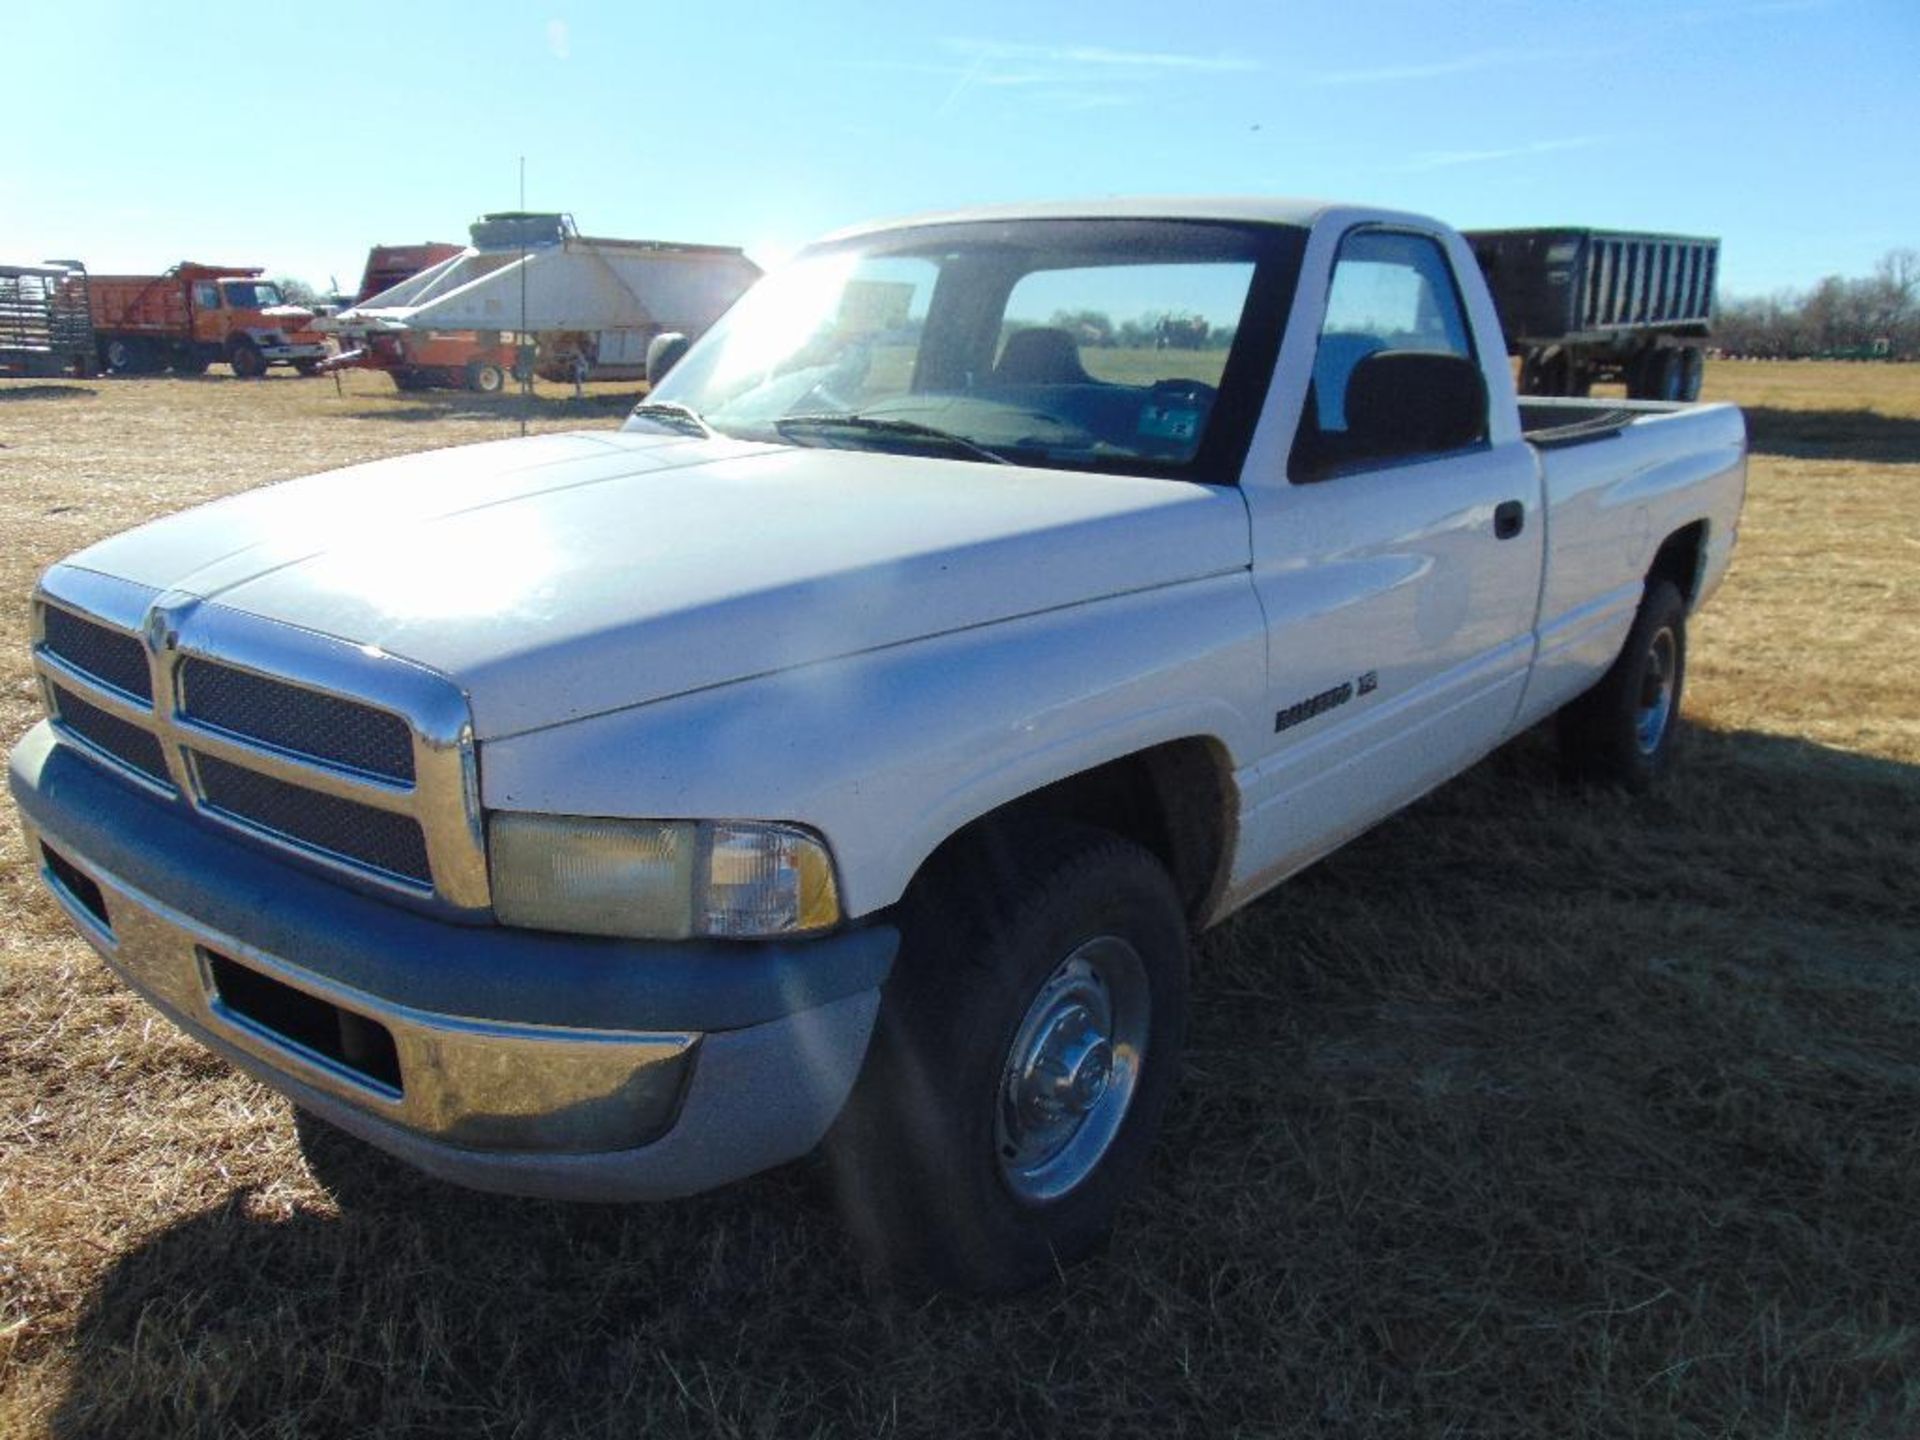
[[506, 1060], [293, 352]]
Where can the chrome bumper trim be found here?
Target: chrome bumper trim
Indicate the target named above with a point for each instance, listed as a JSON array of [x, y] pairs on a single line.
[[476, 1084]]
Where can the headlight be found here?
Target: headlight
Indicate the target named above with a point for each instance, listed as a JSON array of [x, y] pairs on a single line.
[[659, 879]]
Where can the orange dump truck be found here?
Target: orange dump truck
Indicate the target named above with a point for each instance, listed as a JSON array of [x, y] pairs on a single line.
[[195, 315]]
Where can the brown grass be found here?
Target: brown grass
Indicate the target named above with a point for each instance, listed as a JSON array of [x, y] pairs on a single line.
[[1533, 1113]]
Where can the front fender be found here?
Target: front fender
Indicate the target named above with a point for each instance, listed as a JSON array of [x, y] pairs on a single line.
[[890, 752]]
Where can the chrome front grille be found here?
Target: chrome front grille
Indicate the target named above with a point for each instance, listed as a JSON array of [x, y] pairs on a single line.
[[328, 728], [124, 740], [108, 656], [355, 760], [377, 839]]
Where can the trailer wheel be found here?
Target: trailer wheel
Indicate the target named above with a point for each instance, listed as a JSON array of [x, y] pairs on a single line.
[[1672, 375], [1693, 370], [247, 361], [486, 377], [1654, 375], [1560, 374], [1532, 373]]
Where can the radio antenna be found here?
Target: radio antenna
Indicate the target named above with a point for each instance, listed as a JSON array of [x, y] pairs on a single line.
[[522, 350]]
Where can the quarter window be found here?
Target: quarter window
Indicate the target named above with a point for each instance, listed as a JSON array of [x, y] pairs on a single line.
[[206, 295]]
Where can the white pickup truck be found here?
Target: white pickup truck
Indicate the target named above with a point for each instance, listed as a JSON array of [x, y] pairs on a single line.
[[848, 747]]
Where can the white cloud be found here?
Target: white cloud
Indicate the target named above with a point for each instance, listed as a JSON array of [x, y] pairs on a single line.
[[1071, 77], [1439, 159], [1433, 69], [1097, 56]]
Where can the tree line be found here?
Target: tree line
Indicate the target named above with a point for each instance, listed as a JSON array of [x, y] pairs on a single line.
[[1869, 317]]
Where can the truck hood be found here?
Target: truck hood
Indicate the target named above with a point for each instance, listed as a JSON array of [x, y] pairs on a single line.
[[568, 575]]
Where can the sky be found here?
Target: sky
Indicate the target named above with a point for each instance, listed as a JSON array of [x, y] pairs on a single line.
[[295, 135]]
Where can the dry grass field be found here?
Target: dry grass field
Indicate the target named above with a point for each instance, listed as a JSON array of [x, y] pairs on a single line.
[[1534, 1113]]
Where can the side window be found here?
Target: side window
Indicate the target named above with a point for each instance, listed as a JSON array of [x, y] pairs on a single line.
[[206, 295], [1392, 293]]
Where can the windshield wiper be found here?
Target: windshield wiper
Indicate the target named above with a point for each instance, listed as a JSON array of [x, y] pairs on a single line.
[[674, 416], [876, 425]]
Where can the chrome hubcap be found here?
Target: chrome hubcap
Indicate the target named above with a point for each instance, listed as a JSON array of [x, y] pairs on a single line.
[[1656, 692], [1071, 1072]]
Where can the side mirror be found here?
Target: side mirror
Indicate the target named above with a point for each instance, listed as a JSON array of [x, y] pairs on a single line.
[[1414, 402], [663, 353]]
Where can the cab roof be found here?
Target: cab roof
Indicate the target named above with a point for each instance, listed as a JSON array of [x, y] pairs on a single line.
[[1245, 209]]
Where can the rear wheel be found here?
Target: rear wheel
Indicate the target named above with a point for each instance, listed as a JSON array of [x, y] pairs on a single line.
[[1027, 1046], [1621, 731], [126, 357]]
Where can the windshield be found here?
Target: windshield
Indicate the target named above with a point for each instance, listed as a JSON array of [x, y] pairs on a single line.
[[252, 294], [1090, 344]]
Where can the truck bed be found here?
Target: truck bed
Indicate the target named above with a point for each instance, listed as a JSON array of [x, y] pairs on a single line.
[[1551, 423]]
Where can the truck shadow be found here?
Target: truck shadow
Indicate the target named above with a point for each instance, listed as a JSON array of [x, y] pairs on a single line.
[[434, 406], [1529, 1093], [46, 392], [1833, 435]]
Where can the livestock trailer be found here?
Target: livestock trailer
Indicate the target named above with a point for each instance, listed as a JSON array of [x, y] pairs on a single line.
[[46, 320]]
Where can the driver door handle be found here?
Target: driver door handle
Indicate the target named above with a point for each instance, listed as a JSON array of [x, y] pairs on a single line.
[[1509, 519]]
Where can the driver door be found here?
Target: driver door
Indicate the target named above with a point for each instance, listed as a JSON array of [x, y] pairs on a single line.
[[1399, 592]]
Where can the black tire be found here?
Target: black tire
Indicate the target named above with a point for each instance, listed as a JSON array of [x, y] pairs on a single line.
[[246, 360], [1639, 376], [486, 377], [409, 380], [1621, 731], [307, 368], [1531, 379], [123, 356], [941, 1174], [1671, 376], [1693, 371], [1655, 375]]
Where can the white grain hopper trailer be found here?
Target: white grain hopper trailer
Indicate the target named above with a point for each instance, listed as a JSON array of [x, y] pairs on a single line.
[[586, 305]]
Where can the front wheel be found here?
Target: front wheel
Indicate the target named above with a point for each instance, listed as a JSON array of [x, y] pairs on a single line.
[[307, 368], [1621, 731], [247, 361], [1027, 1046]]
